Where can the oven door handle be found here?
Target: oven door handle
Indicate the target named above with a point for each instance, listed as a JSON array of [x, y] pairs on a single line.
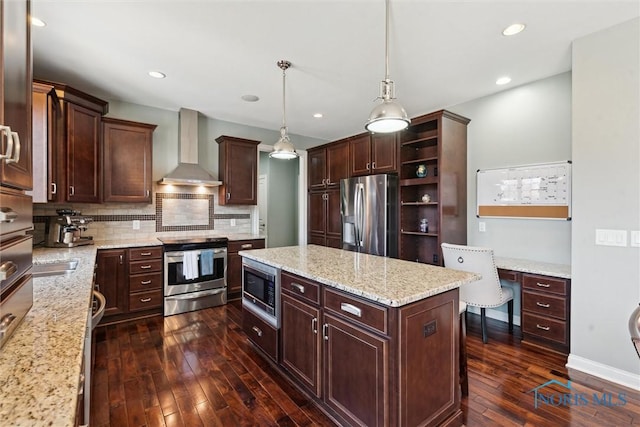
[[196, 295]]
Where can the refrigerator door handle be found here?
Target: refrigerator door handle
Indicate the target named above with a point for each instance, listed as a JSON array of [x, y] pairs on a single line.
[[359, 212]]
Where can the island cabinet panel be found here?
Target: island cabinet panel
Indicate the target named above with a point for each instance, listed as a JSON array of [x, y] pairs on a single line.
[[356, 383], [263, 335]]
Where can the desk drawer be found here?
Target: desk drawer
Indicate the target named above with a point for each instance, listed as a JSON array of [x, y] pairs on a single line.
[[545, 305], [360, 311], [145, 282], [145, 300], [510, 275], [147, 266], [549, 329], [300, 288], [544, 283], [145, 253]]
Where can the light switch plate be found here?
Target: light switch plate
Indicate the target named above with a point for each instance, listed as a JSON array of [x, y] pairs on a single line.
[[611, 237], [635, 238], [233, 222], [136, 224], [482, 226]]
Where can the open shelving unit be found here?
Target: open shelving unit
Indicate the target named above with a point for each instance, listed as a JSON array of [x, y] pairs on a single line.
[[439, 142]]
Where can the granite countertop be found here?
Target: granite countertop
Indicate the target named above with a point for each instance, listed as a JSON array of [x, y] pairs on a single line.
[[40, 364], [535, 267], [388, 281]]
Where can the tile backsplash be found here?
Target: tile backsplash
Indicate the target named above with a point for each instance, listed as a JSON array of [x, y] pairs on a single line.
[[187, 213]]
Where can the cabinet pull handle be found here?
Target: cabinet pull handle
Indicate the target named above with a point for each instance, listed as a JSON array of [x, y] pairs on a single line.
[[72, 191], [8, 215], [148, 192], [145, 267], [257, 331], [5, 321], [314, 325], [350, 308], [373, 165], [324, 181], [145, 282], [543, 285], [121, 259], [145, 299], [325, 331], [298, 286], [145, 253], [228, 196], [8, 269], [540, 304], [328, 181], [367, 166], [246, 246], [7, 131], [544, 328], [16, 151], [54, 188]]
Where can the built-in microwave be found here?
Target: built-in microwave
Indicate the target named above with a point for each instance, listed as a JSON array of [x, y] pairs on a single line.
[[261, 291]]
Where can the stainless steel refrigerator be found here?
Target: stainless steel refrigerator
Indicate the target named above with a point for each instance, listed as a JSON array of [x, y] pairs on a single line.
[[369, 209]]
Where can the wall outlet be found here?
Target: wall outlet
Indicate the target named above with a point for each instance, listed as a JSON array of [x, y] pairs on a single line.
[[482, 226], [233, 222], [611, 237], [136, 224]]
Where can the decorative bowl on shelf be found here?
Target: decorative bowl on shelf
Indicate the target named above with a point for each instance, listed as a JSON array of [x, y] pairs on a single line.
[[426, 198], [421, 171]]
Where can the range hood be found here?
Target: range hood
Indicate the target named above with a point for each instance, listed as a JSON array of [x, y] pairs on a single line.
[[188, 171]]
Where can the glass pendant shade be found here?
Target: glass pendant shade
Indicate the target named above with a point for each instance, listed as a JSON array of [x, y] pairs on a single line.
[[283, 149]]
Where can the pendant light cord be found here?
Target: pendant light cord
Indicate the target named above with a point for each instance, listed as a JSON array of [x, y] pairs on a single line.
[[386, 43], [284, 124]]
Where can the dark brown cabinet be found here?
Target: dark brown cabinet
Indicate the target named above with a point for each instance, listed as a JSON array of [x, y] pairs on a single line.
[[238, 170], [131, 281], [69, 135], [338, 348], [373, 154], [127, 160], [16, 164], [111, 280], [324, 222], [433, 185], [234, 264], [328, 164]]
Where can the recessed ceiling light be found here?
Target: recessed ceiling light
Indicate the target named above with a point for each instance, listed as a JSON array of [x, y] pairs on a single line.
[[37, 22], [513, 29], [318, 115], [250, 98], [503, 80], [157, 74]]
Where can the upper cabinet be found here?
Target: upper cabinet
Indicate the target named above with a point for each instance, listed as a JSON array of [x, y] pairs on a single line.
[[373, 154], [127, 152], [15, 95], [68, 134], [238, 170], [328, 164]]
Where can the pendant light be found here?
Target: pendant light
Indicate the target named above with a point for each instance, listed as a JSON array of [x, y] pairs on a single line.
[[283, 149], [389, 116]]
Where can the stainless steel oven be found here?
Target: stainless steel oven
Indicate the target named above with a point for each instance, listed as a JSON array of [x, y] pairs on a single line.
[[261, 291], [195, 274]]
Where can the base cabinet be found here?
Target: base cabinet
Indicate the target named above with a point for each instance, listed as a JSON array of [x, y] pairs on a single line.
[[369, 364], [234, 264]]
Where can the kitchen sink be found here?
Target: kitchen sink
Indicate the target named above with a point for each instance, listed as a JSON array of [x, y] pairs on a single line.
[[56, 268]]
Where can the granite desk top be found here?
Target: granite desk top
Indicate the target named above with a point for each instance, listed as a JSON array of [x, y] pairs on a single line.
[[535, 267], [388, 281], [40, 364]]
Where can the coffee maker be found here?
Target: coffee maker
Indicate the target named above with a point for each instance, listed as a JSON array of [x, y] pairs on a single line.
[[65, 230]]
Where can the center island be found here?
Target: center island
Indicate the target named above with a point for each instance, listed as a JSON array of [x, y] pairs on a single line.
[[372, 340]]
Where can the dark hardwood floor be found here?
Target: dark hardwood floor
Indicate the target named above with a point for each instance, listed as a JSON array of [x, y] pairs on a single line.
[[197, 369]]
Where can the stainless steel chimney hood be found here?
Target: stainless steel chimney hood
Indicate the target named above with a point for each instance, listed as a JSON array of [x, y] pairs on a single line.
[[188, 171]]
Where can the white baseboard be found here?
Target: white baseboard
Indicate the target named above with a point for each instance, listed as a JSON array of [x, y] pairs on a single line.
[[496, 314], [609, 373]]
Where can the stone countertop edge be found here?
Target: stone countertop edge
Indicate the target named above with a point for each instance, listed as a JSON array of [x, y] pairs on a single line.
[[384, 280], [40, 364], [534, 267]]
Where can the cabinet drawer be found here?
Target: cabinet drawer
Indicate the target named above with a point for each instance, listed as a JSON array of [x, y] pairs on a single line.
[[543, 327], [300, 288], [544, 283], [145, 253], [260, 333], [545, 304], [148, 266], [245, 245], [510, 275], [145, 300], [361, 311], [145, 282]]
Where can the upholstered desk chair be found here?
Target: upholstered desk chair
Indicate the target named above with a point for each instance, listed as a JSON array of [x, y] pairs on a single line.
[[486, 292], [464, 379]]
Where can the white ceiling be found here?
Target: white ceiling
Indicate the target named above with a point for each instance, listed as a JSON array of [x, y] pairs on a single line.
[[441, 53]]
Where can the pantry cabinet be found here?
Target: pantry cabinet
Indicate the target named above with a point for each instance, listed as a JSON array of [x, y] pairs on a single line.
[[127, 160]]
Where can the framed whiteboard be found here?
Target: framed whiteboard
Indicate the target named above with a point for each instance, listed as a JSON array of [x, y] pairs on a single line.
[[530, 191]]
